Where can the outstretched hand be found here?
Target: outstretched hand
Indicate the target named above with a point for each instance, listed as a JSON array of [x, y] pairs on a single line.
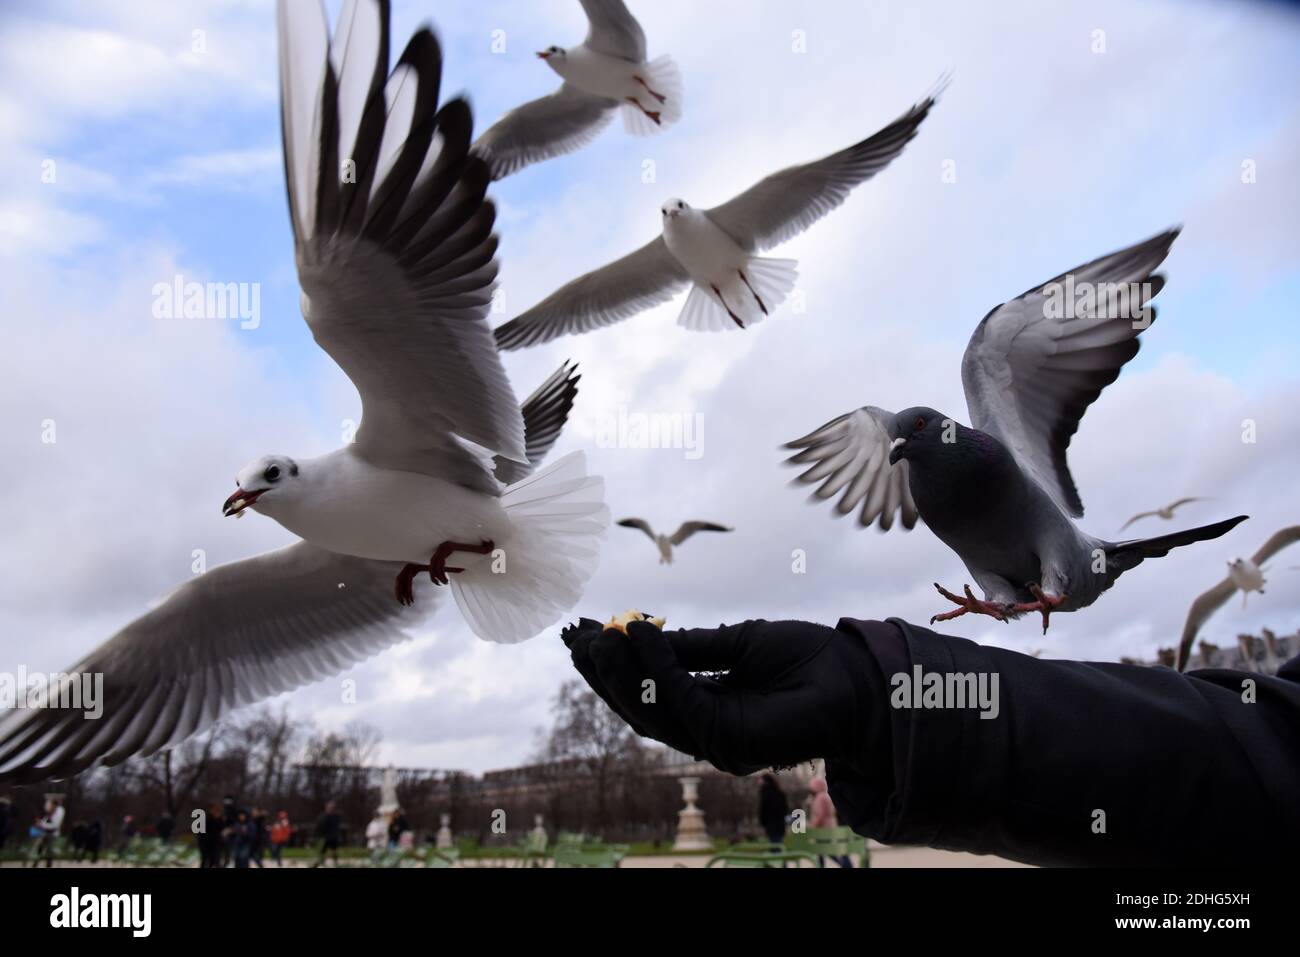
[[792, 691]]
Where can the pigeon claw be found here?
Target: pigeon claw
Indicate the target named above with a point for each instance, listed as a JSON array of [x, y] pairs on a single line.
[[1043, 603], [438, 567], [968, 603]]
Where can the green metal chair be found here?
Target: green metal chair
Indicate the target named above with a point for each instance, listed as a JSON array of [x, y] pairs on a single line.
[[762, 859], [589, 855], [823, 842]]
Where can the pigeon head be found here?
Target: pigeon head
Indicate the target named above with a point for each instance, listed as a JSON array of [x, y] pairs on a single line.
[[919, 434], [554, 57], [271, 474], [674, 208]]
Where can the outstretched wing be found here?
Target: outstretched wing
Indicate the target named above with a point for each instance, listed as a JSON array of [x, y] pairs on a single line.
[[1276, 542], [234, 635], [545, 412], [786, 203], [642, 524], [687, 529], [1036, 363], [549, 126], [393, 241], [637, 282], [1205, 605], [613, 30], [851, 455]]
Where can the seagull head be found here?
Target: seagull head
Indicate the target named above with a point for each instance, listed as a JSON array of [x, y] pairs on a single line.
[[674, 208], [916, 433], [268, 474], [552, 55]]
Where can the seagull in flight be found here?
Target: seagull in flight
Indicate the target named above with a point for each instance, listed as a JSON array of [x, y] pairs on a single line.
[[395, 253], [713, 252], [665, 543], [1000, 493], [1245, 575], [1166, 512], [606, 72]]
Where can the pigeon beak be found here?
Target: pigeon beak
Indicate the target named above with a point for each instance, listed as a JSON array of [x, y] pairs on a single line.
[[896, 448], [239, 501]]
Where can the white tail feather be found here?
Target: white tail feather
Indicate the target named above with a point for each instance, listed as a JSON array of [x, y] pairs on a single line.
[[558, 517], [662, 76], [771, 280]]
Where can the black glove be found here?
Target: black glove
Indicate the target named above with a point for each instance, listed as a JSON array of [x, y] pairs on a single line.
[[793, 691]]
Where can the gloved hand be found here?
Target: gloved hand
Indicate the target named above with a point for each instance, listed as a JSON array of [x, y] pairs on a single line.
[[793, 691]]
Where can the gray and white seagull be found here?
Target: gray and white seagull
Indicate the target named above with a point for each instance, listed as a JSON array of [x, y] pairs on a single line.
[[714, 252], [1000, 493], [665, 543], [395, 254]]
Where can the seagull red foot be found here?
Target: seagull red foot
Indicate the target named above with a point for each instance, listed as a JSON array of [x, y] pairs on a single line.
[[437, 568], [653, 114], [1044, 603], [968, 604], [658, 96]]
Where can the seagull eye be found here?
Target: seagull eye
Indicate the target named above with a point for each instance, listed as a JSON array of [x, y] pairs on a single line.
[[681, 205], [919, 424], [272, 474]]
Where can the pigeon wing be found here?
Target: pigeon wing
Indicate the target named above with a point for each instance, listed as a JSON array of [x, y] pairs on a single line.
[[549, 126], [617, 291], [393, 241], [613, 30], [687, 529], [851, 455], [786, 203], [1029, 373], [234, 635]]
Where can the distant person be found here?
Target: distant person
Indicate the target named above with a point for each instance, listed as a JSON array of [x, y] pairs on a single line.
[[330, 830], [94, 840], [772, 808], [128, 834], [211, 839], [259, 835], [396, 828], [166, 824], [281, 832], [78, 836], [49, 825], [241, 839], [821, 813], [229, 815], [6, 821]]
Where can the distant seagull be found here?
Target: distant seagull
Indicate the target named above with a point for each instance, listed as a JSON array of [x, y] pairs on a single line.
[[1244, 575], [1000, 494], [1167, 512], [665, 543], [608, 71], [712, 251], [396, 267]]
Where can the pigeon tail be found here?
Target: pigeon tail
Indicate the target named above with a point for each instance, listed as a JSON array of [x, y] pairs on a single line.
[[558, 517], [1121, 556]]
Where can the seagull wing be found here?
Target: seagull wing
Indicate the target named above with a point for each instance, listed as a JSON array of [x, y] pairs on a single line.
[[1183, 501], [1277, 541], [1205, 605], [642, 524], [1030, 373], [613, 30], [563, 122], [1138, 517], [687, 529], [638, 281], [234, 635], [786, 203], [393, 241], [545, 412], [852, 454]]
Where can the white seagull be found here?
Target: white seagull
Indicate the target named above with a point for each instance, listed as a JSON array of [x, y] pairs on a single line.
[[396, 266], [665, 543], [606, 72], [1245, 575], [1166, 511], [712, 251]]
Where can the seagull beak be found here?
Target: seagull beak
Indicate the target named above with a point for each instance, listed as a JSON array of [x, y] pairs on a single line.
[[239, 501], [896, 450], [543, 55]]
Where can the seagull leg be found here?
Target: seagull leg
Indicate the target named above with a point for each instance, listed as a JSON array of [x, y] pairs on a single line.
[[658, 96], [653, 114], [734, 318], [405, 579], [757, 297], [438, 568], [1043, 603], [968, 603]]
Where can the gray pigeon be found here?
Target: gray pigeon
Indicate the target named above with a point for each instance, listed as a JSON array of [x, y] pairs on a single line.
[[665, 543], [1000, 494]]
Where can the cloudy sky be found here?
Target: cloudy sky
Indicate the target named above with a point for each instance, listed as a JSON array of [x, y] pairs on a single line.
[[1073, 129]]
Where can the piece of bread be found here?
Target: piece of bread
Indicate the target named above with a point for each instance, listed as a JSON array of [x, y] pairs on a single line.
[[620, 622]]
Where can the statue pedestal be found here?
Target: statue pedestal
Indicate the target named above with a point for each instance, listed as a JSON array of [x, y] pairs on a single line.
[[444, 834], [691, 833]]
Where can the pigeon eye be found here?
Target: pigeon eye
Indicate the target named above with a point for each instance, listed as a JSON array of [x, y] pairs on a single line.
[[272, 474], [919, 424]]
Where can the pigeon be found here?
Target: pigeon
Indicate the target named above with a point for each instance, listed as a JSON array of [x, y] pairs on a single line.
[[1245, 575], [665, 543], [396, 267], [712, 251], [1166, 512], [607, 72], [999, 493]]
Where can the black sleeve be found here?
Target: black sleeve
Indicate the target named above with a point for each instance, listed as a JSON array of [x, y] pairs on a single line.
[[1084, 764]]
